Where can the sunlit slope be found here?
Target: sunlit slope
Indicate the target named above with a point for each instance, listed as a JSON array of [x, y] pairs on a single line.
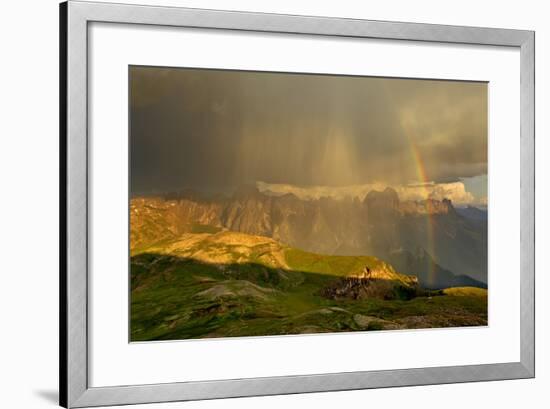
[[229, 247]]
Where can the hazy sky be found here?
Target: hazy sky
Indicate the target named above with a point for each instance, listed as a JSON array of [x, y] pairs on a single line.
[[216, 129]]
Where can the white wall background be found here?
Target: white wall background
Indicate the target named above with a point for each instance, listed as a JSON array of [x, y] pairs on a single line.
[[29, 202]]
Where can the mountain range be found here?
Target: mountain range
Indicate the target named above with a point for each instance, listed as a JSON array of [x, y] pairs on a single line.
[[442, 245]]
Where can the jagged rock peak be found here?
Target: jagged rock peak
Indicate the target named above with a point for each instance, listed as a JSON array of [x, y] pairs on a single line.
[[387, 198], [428, 206], [247, 190]]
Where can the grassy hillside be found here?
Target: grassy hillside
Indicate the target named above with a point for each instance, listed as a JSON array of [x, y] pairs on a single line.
[[226, 284]]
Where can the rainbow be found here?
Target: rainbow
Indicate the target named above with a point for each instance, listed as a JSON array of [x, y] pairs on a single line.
[[424, 182]]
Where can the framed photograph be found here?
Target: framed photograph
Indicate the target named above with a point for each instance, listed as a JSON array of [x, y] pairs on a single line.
[[259, 204]]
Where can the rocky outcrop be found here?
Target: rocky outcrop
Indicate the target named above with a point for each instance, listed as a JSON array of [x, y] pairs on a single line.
[[382, 282]]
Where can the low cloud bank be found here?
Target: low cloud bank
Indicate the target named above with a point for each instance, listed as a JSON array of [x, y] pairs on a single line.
[[456, 192]]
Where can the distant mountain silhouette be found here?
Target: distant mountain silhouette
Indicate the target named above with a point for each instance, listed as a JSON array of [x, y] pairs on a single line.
[[473, 213]]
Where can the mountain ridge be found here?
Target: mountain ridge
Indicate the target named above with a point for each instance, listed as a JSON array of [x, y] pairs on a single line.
[[380, 224]]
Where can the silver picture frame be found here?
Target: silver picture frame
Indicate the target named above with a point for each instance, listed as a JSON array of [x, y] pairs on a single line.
[[75, 390]]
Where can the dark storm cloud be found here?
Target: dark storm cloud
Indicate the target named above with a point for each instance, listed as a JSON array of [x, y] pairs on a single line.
[[214, 129]]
